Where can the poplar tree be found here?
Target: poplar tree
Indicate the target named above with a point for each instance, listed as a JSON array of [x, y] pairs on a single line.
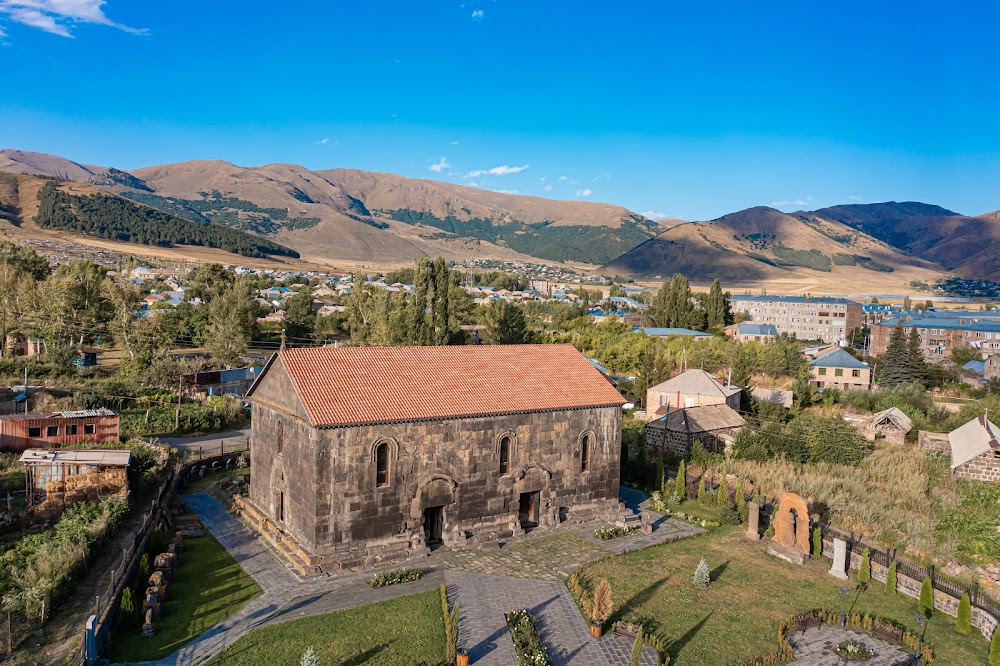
[[441, 288], [718, 308]]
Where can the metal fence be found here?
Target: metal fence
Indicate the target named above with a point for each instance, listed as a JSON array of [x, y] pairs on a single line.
[[977, 596]]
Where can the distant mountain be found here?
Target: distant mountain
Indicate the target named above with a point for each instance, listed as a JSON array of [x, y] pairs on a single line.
[[33, 202], [762, 243], [346, 215], [969, 246]]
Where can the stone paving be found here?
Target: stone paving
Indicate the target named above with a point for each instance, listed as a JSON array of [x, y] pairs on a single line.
[[485, 599], [525, 573], [814, 647]]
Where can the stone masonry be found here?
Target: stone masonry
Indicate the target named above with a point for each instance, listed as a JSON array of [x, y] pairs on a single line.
[[315, 489]]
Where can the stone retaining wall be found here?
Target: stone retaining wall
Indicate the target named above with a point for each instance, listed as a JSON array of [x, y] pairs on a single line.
[[943, 602]]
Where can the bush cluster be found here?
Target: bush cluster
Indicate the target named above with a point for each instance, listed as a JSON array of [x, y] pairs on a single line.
[[609, 533], [392, 577], [527, 641]]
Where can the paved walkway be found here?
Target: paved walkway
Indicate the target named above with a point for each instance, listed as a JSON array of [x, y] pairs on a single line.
[[534, 566], [814, 647], [484, 600]]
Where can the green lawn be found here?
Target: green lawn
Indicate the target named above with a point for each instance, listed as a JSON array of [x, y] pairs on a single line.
[[208, 587], [752, 592], [400, 632]]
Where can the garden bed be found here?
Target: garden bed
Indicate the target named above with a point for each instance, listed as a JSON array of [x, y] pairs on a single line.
[[614, 532], [393, 577], [527, 640]]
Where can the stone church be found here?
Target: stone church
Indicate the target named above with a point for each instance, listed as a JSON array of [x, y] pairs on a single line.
[[369, 455]]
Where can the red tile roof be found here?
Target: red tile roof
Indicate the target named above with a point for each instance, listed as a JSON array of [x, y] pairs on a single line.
[[355, 385]]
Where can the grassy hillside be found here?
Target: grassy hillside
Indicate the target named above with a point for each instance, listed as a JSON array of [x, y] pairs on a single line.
[[108, 216]]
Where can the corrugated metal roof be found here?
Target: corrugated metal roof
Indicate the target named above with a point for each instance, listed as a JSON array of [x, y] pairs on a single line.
[[838, 358], [707, 418], [102, 457], [86, 413], [973, 440], [696, 382], [355, 385]]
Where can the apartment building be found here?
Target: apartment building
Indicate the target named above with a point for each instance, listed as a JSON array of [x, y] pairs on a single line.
[[807, 318], [941, 331]]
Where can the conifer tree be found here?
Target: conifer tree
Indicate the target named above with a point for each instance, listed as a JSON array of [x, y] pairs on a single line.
[[680, 484], [963, 621], [896, 367], [702, 576], [817, 549], [865, 569], [661, 478], [926, 603], [505, 325], [637, 645], [722, 495], [890, 579], [741, 500], [701, 490], [918, 366]]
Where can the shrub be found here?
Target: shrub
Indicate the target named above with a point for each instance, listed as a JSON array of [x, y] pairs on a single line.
[[680, 483], [661, 478], [817, 550], [702, 576], [890, 579], [701, 489], [451, 618], [145, 567], [865, 569], [730, 516], [608, 533], [722, 495], [527, 642], [995, 648], [579, 592], [963, 622], [392, 577], [309, 657], [637, 645], [602, 601], [926, 603]]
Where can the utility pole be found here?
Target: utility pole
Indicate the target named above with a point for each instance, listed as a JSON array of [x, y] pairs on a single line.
[[177, 415], [25, 389]]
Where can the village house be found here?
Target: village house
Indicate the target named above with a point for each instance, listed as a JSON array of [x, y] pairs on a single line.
[[991, 367], [777, 396], [746, 331], [840, 370], [365, 456], [43, 430], [975, 450], [693, 388], [714, 426]]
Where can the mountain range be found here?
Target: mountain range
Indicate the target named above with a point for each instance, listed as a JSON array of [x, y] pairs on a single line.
[[343, 217]]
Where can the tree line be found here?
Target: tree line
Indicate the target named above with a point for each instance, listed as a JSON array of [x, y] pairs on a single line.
[[118, 219]]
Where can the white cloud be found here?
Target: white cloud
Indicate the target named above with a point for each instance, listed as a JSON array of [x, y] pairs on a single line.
[[801, 201], [563, 178], [583, 193], [58, 16], [653, 215], [543, 178], [604, 176], [855, 197], [478, 13], [440, 166], [505, 191], [473, 184], [548, 188], [454, 143], [503, 170]]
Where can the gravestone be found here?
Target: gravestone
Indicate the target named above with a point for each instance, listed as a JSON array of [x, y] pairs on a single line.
[[753, 521], [839, 567], [791, 530], [647, 525]]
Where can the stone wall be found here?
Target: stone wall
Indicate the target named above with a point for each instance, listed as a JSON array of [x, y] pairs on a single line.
[[661, 440], [934, 441], [943, 602], [985, 468]]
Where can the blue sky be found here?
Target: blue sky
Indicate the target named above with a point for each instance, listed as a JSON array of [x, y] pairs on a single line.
[[686, 110]]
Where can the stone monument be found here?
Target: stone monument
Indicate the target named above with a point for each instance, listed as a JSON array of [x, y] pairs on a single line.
[[753, 521], [791, 530], [839, 567]]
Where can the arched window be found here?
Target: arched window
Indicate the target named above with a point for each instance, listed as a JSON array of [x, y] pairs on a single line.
[[585, 453], [382, 465], [504, 454]]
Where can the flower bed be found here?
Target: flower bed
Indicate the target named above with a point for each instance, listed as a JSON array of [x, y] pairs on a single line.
[[658, 504], [527, 641], [854, 651], [608, 533], [393, 577]]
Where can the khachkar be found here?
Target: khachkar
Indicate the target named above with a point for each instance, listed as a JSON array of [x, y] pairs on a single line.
[[791, 530]]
